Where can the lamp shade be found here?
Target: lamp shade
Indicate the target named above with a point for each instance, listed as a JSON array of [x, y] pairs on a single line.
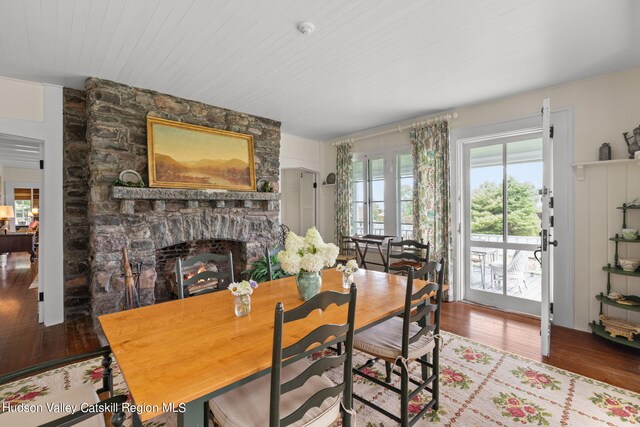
[[6, 212]]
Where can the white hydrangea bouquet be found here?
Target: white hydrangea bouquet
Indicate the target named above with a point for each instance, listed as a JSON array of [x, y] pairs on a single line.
[[347, 271], [305, 257], [307, 254]]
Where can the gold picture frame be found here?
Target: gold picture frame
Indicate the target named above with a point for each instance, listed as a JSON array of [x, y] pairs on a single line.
[[182, 155]]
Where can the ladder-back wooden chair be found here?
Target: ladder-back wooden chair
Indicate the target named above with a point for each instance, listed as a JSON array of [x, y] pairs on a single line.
[[95, 402], [401, 341], [406, 253], [274, 270], [297, 391]]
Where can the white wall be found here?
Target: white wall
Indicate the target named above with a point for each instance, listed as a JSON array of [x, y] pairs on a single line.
[[290, 204], [1, 185], [21, 175], [328, 195], [298, 152], [604, 107], [21, 100]]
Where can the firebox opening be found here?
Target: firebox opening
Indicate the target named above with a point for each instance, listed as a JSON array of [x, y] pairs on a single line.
[[166, 263]]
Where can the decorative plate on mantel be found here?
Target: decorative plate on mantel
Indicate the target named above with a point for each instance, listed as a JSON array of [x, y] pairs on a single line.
[[130, 178]]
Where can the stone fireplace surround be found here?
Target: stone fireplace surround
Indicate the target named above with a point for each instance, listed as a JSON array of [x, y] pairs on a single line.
[[156, 218], [147, 219]]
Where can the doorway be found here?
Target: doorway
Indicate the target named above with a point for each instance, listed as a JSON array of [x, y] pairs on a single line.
[[299, 199], [502, 214], [24, 197], [20, 282]]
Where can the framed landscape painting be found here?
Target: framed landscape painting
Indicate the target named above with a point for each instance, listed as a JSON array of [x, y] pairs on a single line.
[[189, 156]]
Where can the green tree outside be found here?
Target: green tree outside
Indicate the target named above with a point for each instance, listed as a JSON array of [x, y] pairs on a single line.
[[522, 209], [406, 208]]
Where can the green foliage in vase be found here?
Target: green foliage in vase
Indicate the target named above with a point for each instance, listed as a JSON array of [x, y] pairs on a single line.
[[522, 208], [258, 270]]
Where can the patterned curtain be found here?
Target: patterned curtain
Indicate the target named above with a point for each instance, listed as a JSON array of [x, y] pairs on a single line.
[[430, 149], [343, 191]]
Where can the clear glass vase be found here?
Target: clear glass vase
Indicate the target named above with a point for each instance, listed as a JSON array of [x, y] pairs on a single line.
[[242, 305], [309, 284], [347, 280]]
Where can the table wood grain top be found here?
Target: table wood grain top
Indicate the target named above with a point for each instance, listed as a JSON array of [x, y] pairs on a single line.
[[178, 351]]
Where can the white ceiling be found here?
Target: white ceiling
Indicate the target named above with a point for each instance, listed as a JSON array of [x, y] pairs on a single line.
[[368, 63], [19, 152]]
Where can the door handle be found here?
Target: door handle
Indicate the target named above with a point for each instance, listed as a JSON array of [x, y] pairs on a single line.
[[535, 255], [554, 243]]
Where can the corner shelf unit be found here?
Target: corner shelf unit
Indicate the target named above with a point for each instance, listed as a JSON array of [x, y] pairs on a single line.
[[596, 326]]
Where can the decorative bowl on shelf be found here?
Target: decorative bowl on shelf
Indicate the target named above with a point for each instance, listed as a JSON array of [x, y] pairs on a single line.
[[629, 264], [629, 233], [620, 327], [615, 296]]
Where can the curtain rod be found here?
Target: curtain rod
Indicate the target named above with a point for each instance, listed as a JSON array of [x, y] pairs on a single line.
[[449, 116]]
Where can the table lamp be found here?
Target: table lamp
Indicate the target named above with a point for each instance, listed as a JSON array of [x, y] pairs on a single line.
[[6, 213], [35, 213]]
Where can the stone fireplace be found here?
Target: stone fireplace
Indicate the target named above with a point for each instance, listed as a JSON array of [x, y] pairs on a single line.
[[153, 223]]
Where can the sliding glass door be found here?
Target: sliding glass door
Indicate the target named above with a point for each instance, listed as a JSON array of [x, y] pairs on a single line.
[[502, 211]]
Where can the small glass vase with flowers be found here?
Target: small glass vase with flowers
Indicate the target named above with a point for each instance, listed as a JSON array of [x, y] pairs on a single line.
[[347, 271], [242, 296]]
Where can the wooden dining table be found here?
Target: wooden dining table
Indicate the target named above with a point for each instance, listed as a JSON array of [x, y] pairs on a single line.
[[182, 353]]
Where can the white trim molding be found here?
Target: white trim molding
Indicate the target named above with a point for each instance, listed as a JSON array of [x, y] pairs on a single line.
[[51, 258]]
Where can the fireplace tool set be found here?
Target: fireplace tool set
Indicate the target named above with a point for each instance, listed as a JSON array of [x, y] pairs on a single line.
[[131, 281]]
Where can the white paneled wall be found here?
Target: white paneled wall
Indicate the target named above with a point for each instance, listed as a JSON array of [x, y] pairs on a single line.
[[298, 152], [604, 188], [21, 100]]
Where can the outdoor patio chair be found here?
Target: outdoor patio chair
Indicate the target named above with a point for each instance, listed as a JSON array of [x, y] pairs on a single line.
[[515, 271]]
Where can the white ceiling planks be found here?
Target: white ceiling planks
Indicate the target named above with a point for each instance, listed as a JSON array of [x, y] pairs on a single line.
[[368, 63], [19, 152]]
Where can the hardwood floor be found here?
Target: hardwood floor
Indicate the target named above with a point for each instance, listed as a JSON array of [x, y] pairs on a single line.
[[24, 342], [575, 351]]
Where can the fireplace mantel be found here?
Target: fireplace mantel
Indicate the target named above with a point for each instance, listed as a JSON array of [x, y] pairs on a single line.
[[220, 199], [134, 193]]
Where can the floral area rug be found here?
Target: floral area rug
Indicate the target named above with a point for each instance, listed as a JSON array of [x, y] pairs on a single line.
[[480, 386]]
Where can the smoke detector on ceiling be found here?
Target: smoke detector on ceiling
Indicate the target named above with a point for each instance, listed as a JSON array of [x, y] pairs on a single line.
[[306, 28]]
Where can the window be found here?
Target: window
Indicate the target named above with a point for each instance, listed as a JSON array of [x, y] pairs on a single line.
[[24, 200], [405, 195], [383, 194], [22, 209], [357, 179], [376, 196]]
